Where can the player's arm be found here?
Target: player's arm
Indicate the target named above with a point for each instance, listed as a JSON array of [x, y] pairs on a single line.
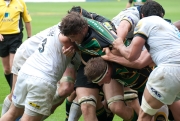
[[143, 61], [68, 46], [122, 31], [177, 24]]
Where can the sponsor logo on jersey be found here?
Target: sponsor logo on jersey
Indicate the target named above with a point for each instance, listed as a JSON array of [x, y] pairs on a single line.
[[6, 17]]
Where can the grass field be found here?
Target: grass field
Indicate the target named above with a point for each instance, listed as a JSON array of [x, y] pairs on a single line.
[[47, 14]]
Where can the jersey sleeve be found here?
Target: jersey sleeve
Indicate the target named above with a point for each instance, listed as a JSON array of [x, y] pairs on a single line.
[[145, 28], [26, 16]]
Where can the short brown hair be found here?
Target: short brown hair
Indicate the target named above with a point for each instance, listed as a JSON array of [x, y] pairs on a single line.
[[94, 68], [151, 8], [73, 23]]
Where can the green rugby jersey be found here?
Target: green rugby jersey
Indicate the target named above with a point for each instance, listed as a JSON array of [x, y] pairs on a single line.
[[129, 77], [98, 37]]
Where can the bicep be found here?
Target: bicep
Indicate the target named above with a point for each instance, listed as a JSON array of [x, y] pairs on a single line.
[[123, 29]]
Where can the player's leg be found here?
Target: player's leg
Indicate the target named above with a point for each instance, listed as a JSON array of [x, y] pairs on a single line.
[[100, 110], [175, 110], [64, 88], [109, 113], [114, 93], [75, 111], [87, 94], [13, 113], [69, 102], [8, 99], [87, 98], [157, 93], [149, 107], [39, 98]]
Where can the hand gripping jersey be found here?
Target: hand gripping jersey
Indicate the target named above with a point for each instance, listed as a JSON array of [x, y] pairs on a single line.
[[129, 77]]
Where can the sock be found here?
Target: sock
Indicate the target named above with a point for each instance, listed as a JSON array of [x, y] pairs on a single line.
[[75, 112], [68, 106], [9, 79], [110, 115], [101, 114], [170, 117], [6, 105]]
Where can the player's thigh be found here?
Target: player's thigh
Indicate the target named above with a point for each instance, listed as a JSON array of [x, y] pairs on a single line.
[[164, 82], [83, 91], [112, 89]]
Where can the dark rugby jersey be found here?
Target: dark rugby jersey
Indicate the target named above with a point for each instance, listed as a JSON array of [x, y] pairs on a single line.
[[97, 38], [129, 77]]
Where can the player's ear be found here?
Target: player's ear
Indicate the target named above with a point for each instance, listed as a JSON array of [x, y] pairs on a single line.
[[142, 15]]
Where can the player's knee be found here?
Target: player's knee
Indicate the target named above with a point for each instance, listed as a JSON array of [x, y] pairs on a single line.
[[112, 103], [89, 100], [7, 70], [66, 88], [130, 95], [147, 108]]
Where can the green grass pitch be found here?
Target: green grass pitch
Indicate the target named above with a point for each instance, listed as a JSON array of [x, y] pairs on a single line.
[[47, 14]]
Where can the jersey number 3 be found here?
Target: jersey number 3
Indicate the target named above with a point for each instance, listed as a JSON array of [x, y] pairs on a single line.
[[41, 48]]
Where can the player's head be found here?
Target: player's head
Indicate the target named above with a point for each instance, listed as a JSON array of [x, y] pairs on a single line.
[[151, 8], [97, 71], [81, 11], [74, 26]]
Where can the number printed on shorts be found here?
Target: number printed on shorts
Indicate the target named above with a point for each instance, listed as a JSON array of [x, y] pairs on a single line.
[[41, 49]]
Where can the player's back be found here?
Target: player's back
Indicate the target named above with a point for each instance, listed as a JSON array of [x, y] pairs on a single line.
[[47, 61], [162, 37]]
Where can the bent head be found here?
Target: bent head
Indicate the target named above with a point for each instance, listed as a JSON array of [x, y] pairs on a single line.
[[74, 26], [151, 8], [97, 71]]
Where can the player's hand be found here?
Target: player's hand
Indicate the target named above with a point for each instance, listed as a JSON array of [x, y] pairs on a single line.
[[69, 52], [118, 43], [1, 37], [108, 53]]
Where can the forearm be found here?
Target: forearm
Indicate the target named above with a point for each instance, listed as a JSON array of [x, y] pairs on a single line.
[[177, 24], [28, 29], [143, 61]]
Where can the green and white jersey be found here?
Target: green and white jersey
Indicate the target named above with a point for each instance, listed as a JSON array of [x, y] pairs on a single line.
[[130, 77], [98, 37]]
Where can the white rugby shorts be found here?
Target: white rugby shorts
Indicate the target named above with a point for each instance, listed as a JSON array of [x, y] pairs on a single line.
[[36, 94], [164, 83]]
